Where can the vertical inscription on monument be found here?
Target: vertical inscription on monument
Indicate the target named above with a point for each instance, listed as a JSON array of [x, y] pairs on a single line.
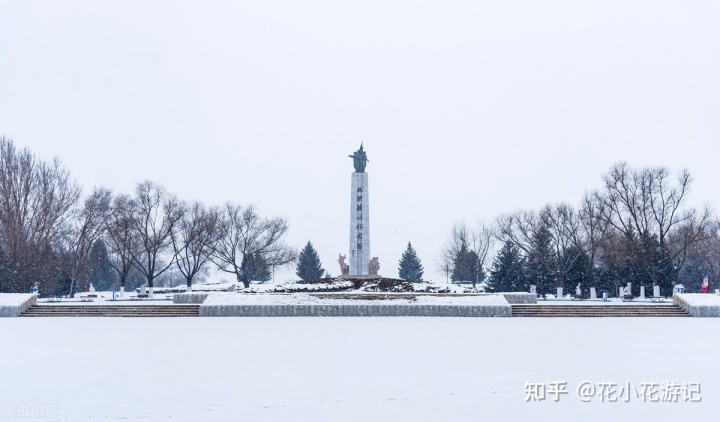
[[359, 216]]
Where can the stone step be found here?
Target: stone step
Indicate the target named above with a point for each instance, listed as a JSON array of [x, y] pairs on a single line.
[[113, 311], [581, 311], [110, 312], [601, 316], [101, 307], [106, 315], [45, 308], [540, 306], [577, 308], [109, 316], [129, 311], [598, 311], [530, 305], [90, 306], [595, 310], [655, 308]]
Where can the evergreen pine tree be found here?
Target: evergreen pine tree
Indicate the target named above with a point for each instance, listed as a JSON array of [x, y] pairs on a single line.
[[308, 266], [262, 269], [134, 280], [657, 265], [466, 266], [540, 264], [649, 262], [255, 268], [100, 271], [580, 272], [507, 274], [410, 268], [696, 268]]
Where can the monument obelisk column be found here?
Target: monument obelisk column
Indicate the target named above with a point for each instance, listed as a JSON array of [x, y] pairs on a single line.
[[359, 217]]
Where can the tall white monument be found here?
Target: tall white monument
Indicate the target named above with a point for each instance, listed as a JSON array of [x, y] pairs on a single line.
[[359, 257]]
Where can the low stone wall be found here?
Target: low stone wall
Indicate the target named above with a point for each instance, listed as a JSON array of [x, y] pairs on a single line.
[[704, 305], [190, 298], [515, 298], [380, 310], [14, 304]]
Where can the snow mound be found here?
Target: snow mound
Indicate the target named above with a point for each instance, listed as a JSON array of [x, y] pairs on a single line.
[[13, 304], [699, 304]]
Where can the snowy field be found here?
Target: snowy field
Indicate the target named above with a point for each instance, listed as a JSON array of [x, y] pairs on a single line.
[[349, 369]]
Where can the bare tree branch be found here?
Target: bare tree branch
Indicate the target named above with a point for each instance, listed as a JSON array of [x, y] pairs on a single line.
[[242, 234], [155, 218], [193, 240]]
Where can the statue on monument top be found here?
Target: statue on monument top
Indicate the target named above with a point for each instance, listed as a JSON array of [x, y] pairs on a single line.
[[359, 160]]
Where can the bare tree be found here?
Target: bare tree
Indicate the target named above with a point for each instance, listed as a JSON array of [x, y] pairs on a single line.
[[86, 227], [36, 202], [460, 236], [517, 228], [567, 238], [243, 234], [592, 224], [695, 229], [647, 201], [482, 242], [478, 240], [194, 239], [564, 238], [119, 238], [156, 216], [565, 225], [711, 247]]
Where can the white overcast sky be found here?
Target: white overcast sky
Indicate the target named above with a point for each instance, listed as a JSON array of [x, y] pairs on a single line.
[[468, 109]]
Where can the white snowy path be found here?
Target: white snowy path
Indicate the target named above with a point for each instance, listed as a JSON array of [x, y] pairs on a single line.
[[350, 369]]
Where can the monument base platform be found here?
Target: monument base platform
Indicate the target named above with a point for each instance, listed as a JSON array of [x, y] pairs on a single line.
[[304, 305]]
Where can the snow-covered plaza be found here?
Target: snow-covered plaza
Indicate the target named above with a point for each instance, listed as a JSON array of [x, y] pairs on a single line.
[[352, 369]]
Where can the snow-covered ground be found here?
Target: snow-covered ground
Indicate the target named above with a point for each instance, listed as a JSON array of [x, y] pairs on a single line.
[[599, 302], [701, 299], [295, 286], [350, 369], [348, 286], [699, 304], [13, 304], [258, 297], [14, 299], [106, 301]]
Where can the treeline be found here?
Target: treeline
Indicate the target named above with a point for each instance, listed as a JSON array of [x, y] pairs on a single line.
[[52, 234], [637, 229]]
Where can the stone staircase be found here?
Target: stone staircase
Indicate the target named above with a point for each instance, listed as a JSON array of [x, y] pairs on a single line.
[[113, 311], [598, 311]]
